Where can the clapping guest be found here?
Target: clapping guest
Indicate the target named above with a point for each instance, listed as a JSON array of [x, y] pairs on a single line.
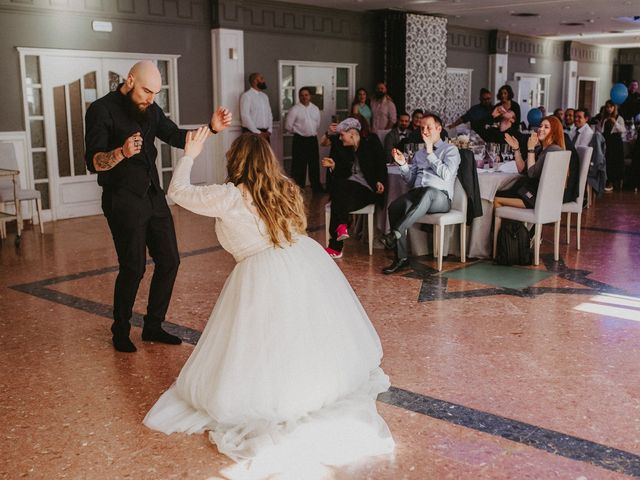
[[361, 105], [548, 138], [506, 103], [358, 177]]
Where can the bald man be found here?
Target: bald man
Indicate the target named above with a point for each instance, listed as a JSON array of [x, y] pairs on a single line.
[[121, 128]]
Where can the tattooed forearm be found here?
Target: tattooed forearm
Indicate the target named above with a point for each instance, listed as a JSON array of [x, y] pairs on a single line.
[[107, 160]]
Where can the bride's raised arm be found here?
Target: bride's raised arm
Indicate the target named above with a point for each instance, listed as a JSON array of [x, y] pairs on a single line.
[[208, 200]]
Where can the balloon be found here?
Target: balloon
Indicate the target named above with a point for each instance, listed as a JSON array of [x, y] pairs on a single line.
[[534, 117], [619, 93]]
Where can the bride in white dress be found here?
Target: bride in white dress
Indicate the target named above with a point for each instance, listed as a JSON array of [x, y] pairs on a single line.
[[287, 370]]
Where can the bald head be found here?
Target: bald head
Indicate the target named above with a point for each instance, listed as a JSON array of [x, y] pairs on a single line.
[[143, 84]]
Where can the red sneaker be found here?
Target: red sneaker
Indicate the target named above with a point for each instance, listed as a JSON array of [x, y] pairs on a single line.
[[341, 232], [333, 253]]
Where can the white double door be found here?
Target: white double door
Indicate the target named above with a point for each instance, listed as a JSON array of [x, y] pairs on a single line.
[[69, 85], [323, 79]]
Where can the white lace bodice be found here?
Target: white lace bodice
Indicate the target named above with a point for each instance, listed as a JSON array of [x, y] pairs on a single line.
[[240, 232]]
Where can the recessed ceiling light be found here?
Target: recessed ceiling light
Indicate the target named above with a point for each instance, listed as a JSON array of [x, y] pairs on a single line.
[[572, 24], [525, 14]]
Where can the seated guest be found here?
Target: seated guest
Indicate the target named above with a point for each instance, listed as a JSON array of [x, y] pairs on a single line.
[[612, 127], [543, 110], [396, 135], [630, 108], [479, 115], [506, 103], [361, 104], [558, 112], [548, 138], [358, 177], [416, 118], [432, 176], [582, 135], [416, 135], [569, 120]]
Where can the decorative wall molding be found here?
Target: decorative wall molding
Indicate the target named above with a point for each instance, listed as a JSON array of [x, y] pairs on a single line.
[[180, 12], [426, 62], [467, 39], [498, 42], [279, 17], [586, 53], [535, 47], [629, 56]]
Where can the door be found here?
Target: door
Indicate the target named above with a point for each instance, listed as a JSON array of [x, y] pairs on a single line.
[[531, 92], [69, 85], [321, 81], [587, 94]]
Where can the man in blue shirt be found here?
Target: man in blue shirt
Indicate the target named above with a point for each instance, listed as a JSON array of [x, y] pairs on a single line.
[[479, 115], [432, 176]]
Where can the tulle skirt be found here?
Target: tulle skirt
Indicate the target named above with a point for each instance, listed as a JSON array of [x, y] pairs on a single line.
[[287, 367]]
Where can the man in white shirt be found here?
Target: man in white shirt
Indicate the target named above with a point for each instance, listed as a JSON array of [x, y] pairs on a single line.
[[583, 133], [303, 120], [255, 111]]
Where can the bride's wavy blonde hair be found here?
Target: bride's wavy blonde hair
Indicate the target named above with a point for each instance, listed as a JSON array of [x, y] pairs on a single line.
[[252, 163]]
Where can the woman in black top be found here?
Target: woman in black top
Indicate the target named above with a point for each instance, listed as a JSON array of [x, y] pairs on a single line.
[[358, 171], [506, 103], [548, 138]]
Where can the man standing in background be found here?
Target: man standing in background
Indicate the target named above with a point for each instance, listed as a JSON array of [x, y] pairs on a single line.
[[255, 111], [384, 115], [303, 120]]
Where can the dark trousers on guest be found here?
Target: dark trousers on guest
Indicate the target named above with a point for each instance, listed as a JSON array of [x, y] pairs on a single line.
[[346, 196], [406, 209], [138, 223], [305, 152]]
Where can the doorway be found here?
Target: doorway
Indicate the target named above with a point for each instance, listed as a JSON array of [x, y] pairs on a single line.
[[58, 88], [588, 94], [531, 92], [332, 89]]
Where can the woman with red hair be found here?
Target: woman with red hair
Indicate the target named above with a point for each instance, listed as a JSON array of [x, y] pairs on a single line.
[[548, 138]]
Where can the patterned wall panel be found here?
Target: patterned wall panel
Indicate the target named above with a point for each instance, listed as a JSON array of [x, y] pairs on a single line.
[[457, 94], [426, 62]]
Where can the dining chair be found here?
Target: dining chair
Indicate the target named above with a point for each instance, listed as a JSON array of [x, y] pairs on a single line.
[[548, 204], [8, 161], [456, 215], [368, 210], [584, 153]]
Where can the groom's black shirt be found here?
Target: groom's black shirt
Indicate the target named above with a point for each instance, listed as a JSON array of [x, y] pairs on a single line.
[[110, 120]]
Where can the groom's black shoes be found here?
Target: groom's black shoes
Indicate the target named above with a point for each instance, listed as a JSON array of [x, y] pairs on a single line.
[[397, 265], [157, 334], [122, 344]]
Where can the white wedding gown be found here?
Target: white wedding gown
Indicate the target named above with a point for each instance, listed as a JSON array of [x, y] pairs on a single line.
[[288, 366]]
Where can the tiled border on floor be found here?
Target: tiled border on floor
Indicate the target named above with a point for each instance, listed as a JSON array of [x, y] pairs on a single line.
[[433, 288]]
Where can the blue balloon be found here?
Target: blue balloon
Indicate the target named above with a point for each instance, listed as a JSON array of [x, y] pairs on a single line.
[[534, 117], [619, 93]]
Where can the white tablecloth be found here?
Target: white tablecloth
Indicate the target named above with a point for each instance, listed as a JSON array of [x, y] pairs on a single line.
[[479, 239]]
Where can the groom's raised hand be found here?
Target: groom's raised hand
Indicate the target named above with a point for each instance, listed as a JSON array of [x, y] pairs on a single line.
[[220, 119]]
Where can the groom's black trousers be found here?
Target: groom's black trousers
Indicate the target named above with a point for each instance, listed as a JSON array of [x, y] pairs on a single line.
[[138, 223]]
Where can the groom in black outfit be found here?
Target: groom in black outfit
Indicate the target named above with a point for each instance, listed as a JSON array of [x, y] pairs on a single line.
[[121, 128]]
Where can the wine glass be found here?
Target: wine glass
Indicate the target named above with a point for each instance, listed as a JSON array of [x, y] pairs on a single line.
[[410, 150], [492, 151]]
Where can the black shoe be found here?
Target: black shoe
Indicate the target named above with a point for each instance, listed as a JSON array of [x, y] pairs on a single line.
[[157, 334], [389, 240], [122, 344], [397, 265]]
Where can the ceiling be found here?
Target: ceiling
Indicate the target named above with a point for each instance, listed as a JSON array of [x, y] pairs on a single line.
[[600, 20]]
